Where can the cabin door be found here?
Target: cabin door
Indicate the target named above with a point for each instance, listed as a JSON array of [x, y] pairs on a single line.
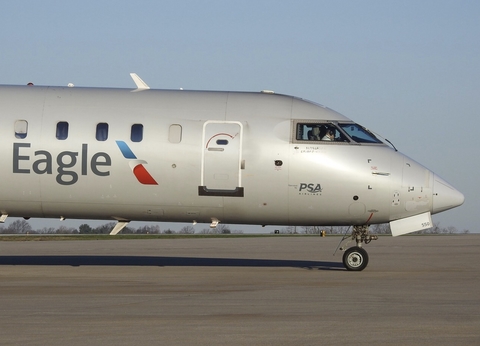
[[221, 159]]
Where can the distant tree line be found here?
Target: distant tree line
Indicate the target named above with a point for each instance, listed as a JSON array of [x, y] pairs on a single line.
[[383, 228], [23, 227]]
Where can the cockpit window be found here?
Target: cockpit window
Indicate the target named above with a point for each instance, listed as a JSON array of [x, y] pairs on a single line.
[[359, 134], [321, 132]]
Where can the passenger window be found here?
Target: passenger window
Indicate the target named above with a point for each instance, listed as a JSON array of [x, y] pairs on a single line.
[[175, 133], [21, 127], [136, 134], [62, 130], [102, 132]]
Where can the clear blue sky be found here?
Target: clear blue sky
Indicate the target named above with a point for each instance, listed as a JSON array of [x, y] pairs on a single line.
[[409, 70]]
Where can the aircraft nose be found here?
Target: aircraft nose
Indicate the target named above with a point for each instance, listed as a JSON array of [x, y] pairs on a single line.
[[445, 196]]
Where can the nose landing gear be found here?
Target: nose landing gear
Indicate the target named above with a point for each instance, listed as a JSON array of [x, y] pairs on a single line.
[[356, 258]]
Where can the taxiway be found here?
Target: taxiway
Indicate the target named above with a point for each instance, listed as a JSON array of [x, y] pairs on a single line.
[[416, 290]]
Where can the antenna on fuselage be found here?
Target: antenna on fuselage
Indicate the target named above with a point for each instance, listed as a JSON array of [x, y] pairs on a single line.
[[141, 85]]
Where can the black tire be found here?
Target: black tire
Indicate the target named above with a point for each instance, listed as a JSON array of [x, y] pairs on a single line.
[[355, 259]]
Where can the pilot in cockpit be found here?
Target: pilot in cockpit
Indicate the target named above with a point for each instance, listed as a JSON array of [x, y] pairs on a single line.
[[314, 134], [329, 135]]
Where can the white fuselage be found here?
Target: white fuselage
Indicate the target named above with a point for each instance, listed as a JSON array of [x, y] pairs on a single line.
[[188, 156]]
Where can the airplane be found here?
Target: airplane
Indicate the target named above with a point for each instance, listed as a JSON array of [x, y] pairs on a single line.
[[206, 157]]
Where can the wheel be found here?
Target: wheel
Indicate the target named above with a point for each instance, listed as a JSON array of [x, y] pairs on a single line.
[[355, 259]]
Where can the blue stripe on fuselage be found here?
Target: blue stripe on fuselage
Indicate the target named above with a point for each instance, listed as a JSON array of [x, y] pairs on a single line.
[[126, 151]]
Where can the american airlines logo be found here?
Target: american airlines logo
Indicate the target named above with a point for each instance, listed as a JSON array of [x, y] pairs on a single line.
[[137, 166]]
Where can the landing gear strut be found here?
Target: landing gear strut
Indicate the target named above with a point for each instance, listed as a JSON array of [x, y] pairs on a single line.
[[356, 258]]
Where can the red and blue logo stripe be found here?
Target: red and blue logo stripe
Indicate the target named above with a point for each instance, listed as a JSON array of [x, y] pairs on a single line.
[[137, 166]]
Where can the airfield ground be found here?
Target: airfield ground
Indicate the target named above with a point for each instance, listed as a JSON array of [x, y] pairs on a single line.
[[416, 290]]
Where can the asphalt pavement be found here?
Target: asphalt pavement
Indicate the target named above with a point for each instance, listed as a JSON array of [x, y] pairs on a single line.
[[416, 290]]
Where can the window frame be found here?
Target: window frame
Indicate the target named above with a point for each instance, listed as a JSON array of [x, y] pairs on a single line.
[[62, 130], [136, 132], [101, 132], [20, 127]]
